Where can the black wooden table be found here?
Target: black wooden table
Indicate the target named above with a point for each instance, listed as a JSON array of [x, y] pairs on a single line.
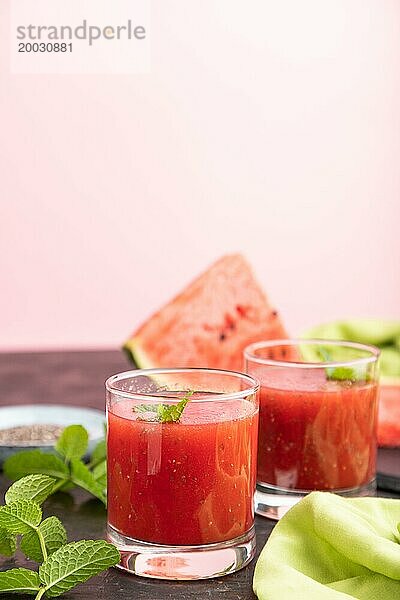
[[77, 378]]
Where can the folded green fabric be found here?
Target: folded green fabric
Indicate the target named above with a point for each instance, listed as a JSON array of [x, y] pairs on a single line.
[[328, 547], [382, 333]]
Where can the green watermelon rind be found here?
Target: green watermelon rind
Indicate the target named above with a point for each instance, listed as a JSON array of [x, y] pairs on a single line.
[[136, 355]]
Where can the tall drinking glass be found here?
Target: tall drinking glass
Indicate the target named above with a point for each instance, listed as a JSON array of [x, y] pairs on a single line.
[[318, 419], [182, 456]]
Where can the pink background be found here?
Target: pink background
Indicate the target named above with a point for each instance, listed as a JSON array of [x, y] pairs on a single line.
[[271, 128]]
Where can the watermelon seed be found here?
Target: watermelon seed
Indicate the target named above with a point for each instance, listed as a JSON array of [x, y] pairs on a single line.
[[241, 310]]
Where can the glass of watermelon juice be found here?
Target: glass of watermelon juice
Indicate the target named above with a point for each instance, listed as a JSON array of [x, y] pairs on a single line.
[[182, 464], [318, 420]]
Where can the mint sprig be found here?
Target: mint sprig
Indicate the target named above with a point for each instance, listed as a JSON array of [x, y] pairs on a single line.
[[339, 373], [8, 543], [36, 487], [23, 515], [73, 442], [76, 563], [84, 478], [23, 581], [28, 462], [99, 454], [63, 565], [164, 413], [66, 468], [20, 516], [52, 536], [100, 474]]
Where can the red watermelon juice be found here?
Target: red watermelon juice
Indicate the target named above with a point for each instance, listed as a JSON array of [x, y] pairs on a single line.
[[314, 433], [183, 483]]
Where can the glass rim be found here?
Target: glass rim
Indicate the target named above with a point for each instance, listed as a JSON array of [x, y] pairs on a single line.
[[253, 388], [373, 351]]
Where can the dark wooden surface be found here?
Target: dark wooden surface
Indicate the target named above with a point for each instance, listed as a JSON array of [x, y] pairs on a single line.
[[78, 378]]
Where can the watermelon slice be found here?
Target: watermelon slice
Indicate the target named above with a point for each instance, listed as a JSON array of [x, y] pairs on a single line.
[[209, 323], [389, 412]]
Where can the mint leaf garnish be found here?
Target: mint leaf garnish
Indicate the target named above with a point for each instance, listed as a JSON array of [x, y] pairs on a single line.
[[73, 442], [165, 413], [8, 543], [144, 408], [53, 535], [75, 563], [82, 476], [34, 461], [173, 412], [341, 374], [21, 581], [33, 487], [20, 516], [337, 373]]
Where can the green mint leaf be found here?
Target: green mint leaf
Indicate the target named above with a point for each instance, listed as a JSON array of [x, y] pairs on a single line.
[[173, 412], [8, 543], [20, 516], [338, 373], [144, 408], [73, 442], [34, 461], [341, 374], [32, 487], [99, 453], [80, 475], [54, 536], [165, 413], [21, 581], [75, 563], [100, 474], [67, 486]]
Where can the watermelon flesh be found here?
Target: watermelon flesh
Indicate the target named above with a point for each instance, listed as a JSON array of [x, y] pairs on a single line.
[[209, 323], [389, 413]]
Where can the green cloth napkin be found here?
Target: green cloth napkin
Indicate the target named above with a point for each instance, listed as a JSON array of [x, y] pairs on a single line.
[[331, 548], [382, 333]]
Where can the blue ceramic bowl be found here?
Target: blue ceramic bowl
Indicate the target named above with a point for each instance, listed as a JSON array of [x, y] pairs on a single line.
[[29, 414]]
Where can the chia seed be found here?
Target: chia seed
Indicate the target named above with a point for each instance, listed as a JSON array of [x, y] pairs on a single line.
[[27, 434]]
